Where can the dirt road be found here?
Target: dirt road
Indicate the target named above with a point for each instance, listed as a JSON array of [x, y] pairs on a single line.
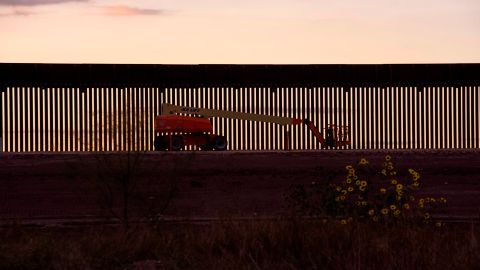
[[202, 185]]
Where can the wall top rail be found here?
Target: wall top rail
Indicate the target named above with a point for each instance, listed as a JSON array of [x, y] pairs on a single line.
[[153, 75]]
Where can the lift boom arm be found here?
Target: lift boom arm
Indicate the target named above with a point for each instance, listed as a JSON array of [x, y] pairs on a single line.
[[168, 109]]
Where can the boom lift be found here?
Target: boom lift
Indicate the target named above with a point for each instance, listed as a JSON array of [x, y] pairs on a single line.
[[196, 129]]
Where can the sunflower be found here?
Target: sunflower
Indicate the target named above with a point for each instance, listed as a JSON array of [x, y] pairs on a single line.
[[363, 161]]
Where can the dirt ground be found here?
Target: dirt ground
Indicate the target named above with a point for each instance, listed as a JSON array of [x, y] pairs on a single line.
[[208, 185]]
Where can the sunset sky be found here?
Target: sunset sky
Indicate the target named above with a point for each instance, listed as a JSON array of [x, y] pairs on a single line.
[[240, 32]]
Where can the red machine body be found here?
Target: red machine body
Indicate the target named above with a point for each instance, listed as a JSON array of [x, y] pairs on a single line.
[[184, 124], [180, 131]]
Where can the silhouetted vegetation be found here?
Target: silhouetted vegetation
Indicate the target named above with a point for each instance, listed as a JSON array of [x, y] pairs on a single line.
[[248, 244]]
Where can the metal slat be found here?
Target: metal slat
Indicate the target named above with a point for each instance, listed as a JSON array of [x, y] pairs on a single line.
[[420, 114], [403, 95], [454, 116], [99, 115], [20, 129], [476, 127], [3, 108], [432, 109], [31, 132], [448, 121], [363, 118], [468, 111], [355, 118], [349, 114], [464, 119], [11, 146]]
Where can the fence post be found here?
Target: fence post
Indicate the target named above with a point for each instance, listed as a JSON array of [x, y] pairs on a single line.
[[2, 90]]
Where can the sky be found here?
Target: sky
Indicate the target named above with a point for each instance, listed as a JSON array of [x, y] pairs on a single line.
[[240, 32]]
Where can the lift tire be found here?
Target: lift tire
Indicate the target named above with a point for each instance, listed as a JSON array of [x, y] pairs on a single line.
[[220, 143], [160, 143], [177, 143], [208, 146]]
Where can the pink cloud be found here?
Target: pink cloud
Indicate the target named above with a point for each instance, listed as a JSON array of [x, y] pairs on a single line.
[[18, 12], [123, 10]]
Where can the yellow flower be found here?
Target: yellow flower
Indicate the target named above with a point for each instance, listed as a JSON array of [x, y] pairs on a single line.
[[357, 182], [350, 189], [394, 182], [390, 167], [421, 205], [338, 188], [362, 188], [443, 200], [432, 200], [438, 224], [393, 173], [427, 215], [388, 158], [382, 190], [363, 161], [396, 213], [399, 198], [342, 198], [400, 192], [351, 171], [349, 181], [371, 212], [344, 192], [384, 211], [384, 172], [393, 207], [415, 184], [363, 183], [343, 222], [375, 218], [421, 201], [406, 206], [349, 167], [364, 203], [411, 171], [399, 186]]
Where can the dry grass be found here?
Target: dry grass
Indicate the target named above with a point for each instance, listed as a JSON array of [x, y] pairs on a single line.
[[253, 244]]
